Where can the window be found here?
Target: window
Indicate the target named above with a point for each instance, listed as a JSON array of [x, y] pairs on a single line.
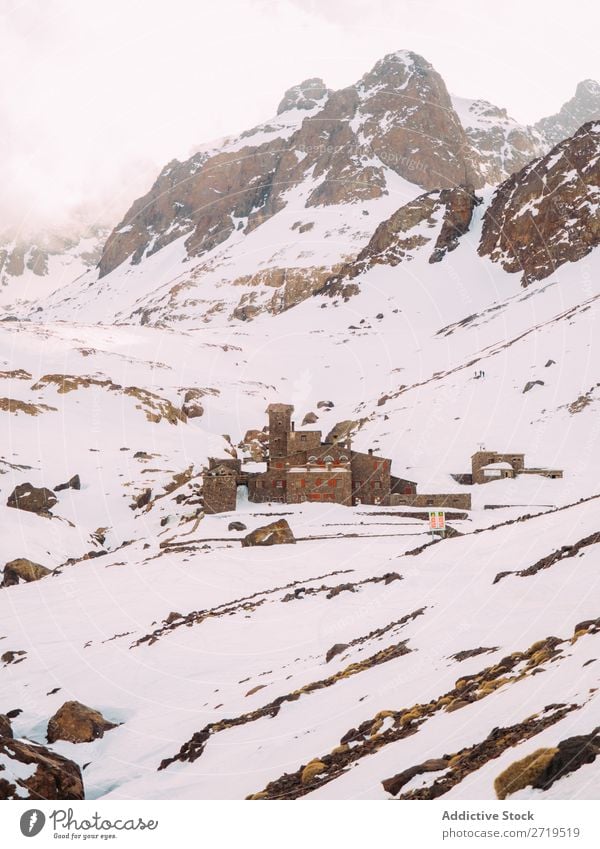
[[332, 483], [259, 484], [377, 485], [302, 482], [302, 437], [279, 484], [343, 458], [319, 481], [279, 465], [312, 459], [329, 459]]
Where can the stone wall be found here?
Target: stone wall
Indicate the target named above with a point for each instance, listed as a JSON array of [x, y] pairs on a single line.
[[329, 484], [462, 501], [219, 493]]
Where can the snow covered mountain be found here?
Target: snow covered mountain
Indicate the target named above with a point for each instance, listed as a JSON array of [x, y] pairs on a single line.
[[33, 266], [351, 251]]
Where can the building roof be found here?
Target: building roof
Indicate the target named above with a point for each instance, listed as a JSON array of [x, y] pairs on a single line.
[[221, 469]]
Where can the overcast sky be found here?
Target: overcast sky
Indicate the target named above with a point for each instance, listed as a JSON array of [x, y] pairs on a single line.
[[95, 95]]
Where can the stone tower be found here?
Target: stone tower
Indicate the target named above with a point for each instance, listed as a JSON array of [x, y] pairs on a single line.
[[280, 424]]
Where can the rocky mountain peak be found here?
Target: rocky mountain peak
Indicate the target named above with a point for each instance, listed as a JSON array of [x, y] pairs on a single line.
[[582, 107], [547, 213], [306, 95]]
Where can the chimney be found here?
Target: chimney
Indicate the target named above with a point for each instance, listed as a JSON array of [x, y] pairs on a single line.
[[293, 426], [370, 452]]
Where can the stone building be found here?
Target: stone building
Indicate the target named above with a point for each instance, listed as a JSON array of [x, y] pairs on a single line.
[[219, 488], [487, 466]]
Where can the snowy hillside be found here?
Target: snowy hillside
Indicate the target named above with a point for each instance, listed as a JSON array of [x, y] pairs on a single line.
[[369, 659]]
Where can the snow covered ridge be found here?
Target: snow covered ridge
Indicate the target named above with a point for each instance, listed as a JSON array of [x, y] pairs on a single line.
[[548, 213]]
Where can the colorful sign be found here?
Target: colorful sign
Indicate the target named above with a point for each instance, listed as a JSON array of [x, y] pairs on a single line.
[[437, 520]]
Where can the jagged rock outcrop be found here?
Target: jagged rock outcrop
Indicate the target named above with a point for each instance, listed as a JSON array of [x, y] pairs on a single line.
[[72, 483], [77, 723], [277, 533], [306, 95], [34, 499], [547, 213], [584, 106], [398, 116], [31, 771], [502, 145], [399, 237], [23, 569]]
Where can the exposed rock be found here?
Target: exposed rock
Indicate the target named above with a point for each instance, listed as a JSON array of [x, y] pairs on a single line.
[[13, 656], [546, 214], [459, 205], [192, 407], [336, 649], [142, 499], [72, 483], [531, 383], [5, 726], [394, 785], [277, 533], [584, 106], [570, 755], [34, 499], [48, 775], [306, 95], [344, 430], [236, 526], [24, 570], [77, 723], [400, 236], [325, 405], [310, 418], [399, 116], [502, 145]]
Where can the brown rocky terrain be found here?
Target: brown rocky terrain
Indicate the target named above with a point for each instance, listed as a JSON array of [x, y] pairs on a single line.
[[399, 116], [53, 776], [547, 213], [406, 231]]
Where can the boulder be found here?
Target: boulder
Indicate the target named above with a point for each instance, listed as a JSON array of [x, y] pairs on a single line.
[[325, 405], [142, 499], [531, 383], [336, 649], [22, 569], [310, 418], [31, 771], [193, 410], [72, 483], [236, 526], [277, 533], [77, 723], [5, 726], [34, 499]]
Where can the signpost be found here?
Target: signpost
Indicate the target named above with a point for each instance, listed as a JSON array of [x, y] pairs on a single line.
[[437, 521]]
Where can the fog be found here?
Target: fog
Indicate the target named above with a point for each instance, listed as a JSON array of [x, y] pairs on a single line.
[[97, 96]]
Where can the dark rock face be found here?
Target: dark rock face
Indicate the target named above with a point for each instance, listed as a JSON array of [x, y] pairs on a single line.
[[53, 777], [236, 526], [77, 723], [34, 499], [277, 533], [546, 214], [394, 785], [22, 569], [584, 106], [571, 754], [72, 483], [5, 726], [398, 238], [306, 95]]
